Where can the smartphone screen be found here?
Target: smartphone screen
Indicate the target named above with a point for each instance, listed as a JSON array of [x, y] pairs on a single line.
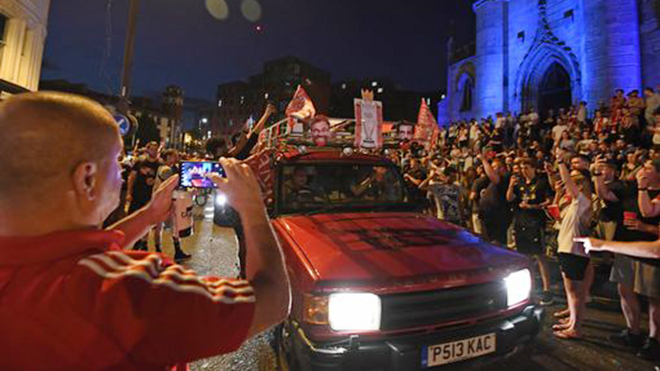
[[195, 174]]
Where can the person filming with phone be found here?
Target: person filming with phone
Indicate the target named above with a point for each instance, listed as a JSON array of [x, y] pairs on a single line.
[[71, 296]]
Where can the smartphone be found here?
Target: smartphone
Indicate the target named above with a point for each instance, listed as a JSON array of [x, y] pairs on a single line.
[[195, 174]]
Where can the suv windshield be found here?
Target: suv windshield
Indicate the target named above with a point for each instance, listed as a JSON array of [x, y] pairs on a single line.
[[313, 188]]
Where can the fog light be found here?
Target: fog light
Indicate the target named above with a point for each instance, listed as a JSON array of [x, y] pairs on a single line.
[[518, 287], [354, 312]]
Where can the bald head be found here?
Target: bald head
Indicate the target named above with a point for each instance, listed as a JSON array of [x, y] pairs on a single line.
[[45, 136]]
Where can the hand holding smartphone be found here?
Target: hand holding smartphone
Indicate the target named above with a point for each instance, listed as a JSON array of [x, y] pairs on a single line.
[[196, 174]]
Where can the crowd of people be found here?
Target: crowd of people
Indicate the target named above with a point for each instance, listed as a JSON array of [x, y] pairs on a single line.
[[535, 182], [567, 184]]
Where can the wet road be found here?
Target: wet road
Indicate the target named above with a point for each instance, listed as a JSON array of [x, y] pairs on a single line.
[[214, 252]]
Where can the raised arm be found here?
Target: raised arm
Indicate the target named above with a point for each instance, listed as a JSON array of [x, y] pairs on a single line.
[[510, 192], [602, 190], [565, 174], [647, 207], [488, 169], [256, 129], [428, 181], [640, 249]]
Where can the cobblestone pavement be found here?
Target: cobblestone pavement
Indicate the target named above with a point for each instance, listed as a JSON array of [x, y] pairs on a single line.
[[214, 252]]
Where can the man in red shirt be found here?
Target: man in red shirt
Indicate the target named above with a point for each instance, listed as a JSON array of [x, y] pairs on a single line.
[[70, 297]]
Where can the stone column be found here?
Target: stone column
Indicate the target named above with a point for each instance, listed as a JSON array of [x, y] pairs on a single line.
[[623, 45], [11, 54], [491, 53]]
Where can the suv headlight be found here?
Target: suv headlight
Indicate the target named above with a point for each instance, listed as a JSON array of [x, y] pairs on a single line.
[[220, 199], [518, 287], [354, 311]]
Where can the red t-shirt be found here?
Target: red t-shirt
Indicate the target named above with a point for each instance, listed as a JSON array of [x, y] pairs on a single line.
[[76, 301]]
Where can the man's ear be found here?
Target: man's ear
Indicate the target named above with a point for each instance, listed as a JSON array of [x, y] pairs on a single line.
[[85, 180]]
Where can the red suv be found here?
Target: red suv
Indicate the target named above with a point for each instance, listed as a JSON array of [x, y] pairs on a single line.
[[378, 285]]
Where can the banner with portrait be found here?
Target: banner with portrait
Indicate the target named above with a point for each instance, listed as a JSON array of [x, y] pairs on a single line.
[[368, 124]]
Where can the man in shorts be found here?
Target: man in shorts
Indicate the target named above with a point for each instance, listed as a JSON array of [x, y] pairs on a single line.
[[530, 194], [167, 170]]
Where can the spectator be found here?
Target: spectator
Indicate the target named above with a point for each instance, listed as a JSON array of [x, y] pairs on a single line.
[[248, 140], [573, 259], [140, 185], [494, 210], [636, 226], [167, 170], [531, 195], [618, 101], [558, 131], [72, 299], [447, 194], [652, 105], [582, 114]]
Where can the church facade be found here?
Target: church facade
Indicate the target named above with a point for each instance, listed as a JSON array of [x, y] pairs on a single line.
[[546, 54]]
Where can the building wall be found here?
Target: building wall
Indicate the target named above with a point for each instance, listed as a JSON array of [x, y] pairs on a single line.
[[491, 34], [24, 40], [449, 109], [650, 41], [602, 44]]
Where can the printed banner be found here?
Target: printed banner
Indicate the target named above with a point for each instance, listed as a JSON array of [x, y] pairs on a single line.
[[368, 124]]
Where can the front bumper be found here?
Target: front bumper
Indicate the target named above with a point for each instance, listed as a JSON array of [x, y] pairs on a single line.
[[405, 352]]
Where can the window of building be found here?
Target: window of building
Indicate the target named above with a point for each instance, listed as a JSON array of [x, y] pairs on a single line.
[[468, 94], [3, 26]]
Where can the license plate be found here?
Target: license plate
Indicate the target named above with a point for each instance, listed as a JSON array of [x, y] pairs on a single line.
[[442, 354]]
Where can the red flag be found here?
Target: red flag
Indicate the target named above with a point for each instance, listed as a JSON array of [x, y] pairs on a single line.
[[301, 105], [427, 127]]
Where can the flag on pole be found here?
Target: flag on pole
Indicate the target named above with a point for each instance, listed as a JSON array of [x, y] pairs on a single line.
[[426, 130], [301, 105]]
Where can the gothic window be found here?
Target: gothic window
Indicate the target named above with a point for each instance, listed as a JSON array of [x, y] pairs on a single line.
[[468, 94]]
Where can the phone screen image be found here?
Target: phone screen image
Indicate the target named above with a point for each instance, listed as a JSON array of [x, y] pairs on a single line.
[[196, 174]]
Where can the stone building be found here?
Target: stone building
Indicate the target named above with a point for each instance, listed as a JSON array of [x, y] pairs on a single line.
[[547, 54], [23, 26]]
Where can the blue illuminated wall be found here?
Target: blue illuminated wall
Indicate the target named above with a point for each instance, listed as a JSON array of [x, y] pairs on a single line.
[[602, 44]]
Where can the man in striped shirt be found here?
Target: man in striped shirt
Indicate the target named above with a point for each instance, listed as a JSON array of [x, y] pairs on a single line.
[[70, 296]]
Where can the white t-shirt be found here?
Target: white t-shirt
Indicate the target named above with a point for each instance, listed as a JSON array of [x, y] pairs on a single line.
[[533, 117], [557, 131], [574, 223], [499, 123]]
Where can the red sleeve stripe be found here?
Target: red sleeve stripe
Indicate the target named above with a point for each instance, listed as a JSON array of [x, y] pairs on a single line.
[[107, 268], [153, 264], [177, 271]]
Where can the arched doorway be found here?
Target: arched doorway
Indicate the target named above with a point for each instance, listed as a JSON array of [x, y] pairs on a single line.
[[554, 90]]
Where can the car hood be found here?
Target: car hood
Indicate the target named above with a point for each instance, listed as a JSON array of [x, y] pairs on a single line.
[[403, 247]]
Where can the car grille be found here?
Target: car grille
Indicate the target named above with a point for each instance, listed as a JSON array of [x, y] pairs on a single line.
[[401, 311]]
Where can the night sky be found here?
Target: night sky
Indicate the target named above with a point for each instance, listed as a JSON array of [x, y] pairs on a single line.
[[180, 42]]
